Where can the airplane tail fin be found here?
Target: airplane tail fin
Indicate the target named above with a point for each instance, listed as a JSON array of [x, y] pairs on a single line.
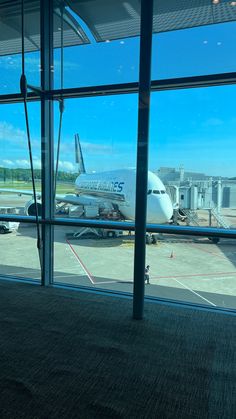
[[78, 155]]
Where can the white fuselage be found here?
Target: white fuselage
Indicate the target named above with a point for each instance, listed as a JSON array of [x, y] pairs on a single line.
[[118, 187]]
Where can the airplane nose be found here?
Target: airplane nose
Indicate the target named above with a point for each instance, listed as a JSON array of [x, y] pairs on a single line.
[[166, 208], [160, 209]]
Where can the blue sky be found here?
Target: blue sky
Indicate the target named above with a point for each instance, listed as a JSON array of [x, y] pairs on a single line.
[[195, 128]]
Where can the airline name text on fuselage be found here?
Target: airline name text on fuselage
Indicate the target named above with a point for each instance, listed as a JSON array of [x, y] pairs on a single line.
[[96, 185]]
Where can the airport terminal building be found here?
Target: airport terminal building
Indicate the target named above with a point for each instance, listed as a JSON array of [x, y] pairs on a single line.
[[197, 190], [117, 209]]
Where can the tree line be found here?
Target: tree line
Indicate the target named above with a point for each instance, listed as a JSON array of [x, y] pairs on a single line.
[[24, 175]]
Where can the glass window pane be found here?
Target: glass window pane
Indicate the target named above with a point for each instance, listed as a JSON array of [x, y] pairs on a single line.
[[19, 255], [192, 152], [92, 261], [11, 45], [192, 269], [193, 38], [100, 43], [99, 180], [15, 174]]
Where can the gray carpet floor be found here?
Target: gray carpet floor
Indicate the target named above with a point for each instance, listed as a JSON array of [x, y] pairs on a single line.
[[65, 354]]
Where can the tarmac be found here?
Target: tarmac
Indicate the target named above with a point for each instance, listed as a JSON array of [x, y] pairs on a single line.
[[187, 269]]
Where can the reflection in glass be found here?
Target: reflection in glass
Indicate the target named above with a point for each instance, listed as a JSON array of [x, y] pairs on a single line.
[[103, 46], [11, 44], [194, 52], [193, 38]]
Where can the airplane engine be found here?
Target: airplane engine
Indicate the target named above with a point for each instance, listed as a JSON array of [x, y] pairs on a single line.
[[30, 208]]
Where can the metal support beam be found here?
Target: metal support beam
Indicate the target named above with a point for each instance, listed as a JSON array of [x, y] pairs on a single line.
[[47, 145], [211, 80], [142, 156]]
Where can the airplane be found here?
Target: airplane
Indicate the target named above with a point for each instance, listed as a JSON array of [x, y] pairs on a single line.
[[113, 189]]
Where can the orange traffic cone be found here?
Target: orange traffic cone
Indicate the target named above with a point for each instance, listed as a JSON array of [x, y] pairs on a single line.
[[172, 255]]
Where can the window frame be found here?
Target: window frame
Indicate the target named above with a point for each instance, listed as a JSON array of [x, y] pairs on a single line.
[[49, 95]]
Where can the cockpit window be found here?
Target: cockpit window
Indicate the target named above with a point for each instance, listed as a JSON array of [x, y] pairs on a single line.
[[155, 191]]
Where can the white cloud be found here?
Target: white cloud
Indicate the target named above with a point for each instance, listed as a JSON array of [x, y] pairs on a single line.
[[24, 164], [37, 163], [64, 165], [67, 166], [10, 133], [7, 163], [20, 163], [16, 137]]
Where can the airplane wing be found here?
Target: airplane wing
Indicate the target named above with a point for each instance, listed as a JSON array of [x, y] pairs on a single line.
[[67, 199], [78, 199], [20, 192]]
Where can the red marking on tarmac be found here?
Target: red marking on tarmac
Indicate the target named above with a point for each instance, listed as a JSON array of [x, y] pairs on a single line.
[[188, 276], [80, 261]]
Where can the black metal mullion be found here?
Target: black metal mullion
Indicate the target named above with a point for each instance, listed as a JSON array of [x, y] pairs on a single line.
[[212, 80], [47, 138], [142, 156]]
